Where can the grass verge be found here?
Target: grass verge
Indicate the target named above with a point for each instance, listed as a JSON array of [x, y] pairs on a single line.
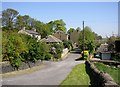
[[77, 76], [112, 71]]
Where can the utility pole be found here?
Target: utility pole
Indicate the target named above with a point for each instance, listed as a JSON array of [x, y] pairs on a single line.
[[83, 38]]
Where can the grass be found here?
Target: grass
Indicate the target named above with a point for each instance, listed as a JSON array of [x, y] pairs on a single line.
[[77, 76], [112, 71]]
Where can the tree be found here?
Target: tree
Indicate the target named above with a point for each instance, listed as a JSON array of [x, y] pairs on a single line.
[[70, 30], [51, 25], [12, 48], [24, 21], [8, 17], [89, 39], [59, 25], [42, 28], [111, 43], [78, 29], [19, 22]]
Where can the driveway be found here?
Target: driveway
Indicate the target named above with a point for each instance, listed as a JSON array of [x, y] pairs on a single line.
[[53, 74]]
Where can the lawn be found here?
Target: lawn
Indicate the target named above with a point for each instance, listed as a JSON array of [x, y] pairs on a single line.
[[77, 76], [112, 71]]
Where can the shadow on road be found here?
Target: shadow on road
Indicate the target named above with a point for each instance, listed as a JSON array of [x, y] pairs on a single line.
[[78, 59], [76, 51]]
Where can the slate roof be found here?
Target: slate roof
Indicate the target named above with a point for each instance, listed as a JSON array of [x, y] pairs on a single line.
[[51, 38], [32, 32]]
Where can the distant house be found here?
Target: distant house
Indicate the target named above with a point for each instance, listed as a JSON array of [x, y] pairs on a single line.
[[31, 33], [74, 37], [103, 48], [61, 35], [104, 53], [51, 39]]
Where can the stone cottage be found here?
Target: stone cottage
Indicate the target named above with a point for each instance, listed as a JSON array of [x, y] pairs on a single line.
[[31, 33], [74, 37], [61, 35]]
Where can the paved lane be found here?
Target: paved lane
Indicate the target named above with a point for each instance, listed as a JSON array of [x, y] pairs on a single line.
[[53, 74]]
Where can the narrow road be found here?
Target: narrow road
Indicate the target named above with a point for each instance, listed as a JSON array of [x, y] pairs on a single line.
[[53, 74]]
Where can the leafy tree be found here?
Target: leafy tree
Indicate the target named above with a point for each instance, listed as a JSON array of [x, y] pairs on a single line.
[[25, 21], [12, 47], [78, 29], [111, 43], [59, 25], [51, 25], [42, 28], [67, 44], [58, 49], [8, 17], [89, 39], [18, 48], [19, 22], [37, 50], [70, 30]]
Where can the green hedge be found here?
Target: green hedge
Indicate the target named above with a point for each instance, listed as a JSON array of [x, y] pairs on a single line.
[[18, 48]]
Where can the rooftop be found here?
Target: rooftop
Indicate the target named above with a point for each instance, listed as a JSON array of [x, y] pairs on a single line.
[[32, 32], [51, 38]]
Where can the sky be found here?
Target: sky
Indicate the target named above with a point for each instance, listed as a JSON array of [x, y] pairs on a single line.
[[101, 17]]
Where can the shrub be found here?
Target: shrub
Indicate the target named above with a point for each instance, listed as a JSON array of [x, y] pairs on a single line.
[[18, 48], [67, 44], [116, 57], [48, 56], [13, 46], [58, 49]]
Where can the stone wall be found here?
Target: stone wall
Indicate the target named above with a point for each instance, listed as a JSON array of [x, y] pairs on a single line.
[[99, 79], [108, 62], [8, 68], [65, 51]]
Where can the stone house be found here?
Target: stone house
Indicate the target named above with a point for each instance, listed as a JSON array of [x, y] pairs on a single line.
[[105, 54], [74, 37], [51, 39], [61, 35], [31, 33], [103, 48]]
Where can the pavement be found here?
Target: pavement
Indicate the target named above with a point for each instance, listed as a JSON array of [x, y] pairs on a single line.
[[53, 74]]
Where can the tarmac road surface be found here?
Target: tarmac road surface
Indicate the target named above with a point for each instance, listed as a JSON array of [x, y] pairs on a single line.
[[53, 74]]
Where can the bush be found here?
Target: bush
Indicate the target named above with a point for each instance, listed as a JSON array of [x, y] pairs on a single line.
[[116, 57], [67, 44], [13, 46], [18, 48], [58, 50], [48, 56]]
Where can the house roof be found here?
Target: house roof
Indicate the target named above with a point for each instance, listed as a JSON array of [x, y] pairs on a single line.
[[59, 31], [32, 32], [103, 48], [51, 38]]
